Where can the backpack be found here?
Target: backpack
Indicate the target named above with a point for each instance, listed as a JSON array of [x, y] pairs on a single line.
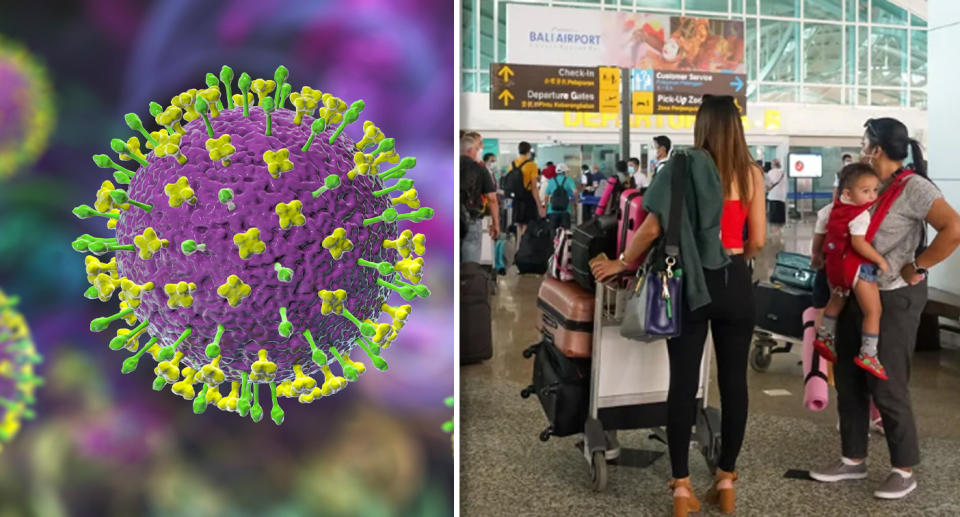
[[513, 184], [559, 264], [559, 200]]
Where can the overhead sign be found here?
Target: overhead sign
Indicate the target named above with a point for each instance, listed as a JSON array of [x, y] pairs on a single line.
[[573, 88], [554, 88], [570, 36], [806, 165]]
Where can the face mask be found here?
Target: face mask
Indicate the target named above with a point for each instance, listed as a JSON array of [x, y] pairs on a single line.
[[631, 170]]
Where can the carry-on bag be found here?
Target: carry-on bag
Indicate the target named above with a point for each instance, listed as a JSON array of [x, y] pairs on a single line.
[[780, 308], [599, 235], [563, 386], [794, 269], [566, 317], [629, 219], [535, 248], [559, 265], [476, 337]]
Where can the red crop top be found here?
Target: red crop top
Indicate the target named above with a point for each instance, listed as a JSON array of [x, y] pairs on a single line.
[[731, 224]]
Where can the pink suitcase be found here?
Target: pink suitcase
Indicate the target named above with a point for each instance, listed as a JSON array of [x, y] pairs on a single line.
[[629, 218], [566, 316]]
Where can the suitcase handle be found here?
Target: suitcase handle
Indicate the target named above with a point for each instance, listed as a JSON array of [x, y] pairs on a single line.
[[549, 389]]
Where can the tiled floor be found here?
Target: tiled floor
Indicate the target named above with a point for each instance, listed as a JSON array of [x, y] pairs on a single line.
[[934, 387]]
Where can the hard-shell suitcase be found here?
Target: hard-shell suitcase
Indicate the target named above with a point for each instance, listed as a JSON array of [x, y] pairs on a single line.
[[780, 308], [589, 240], [536, 247], [794, 269], [476, 337], [562, 384], [629, 218], [566, 317]]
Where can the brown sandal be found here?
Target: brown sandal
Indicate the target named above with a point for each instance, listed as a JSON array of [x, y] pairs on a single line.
[[684, 505], [724, 497]]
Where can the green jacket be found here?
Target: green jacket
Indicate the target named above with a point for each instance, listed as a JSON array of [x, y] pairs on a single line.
[[700, 246]]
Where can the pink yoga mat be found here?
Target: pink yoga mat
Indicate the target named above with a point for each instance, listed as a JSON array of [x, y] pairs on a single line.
[[815, 390]]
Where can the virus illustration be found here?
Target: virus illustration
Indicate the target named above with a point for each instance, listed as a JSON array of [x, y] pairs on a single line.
[[448, 425], [26, 108], [255, 243], [17, 379]]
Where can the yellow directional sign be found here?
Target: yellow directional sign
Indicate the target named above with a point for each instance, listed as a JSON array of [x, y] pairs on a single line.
[[642, 103], [608, 89], [505, 73], [506, 97]]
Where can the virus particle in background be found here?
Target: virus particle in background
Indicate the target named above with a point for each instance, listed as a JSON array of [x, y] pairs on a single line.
[[256, 243], [448, 425], [26, 108], [17, 379]]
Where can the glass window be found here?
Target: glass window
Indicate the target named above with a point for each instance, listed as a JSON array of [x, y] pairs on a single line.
[[888, 58], [501, 32], [594, 2], [823, 9], [918, 58], [863, 56], [780, 8], [778, 93], [822, 53], [752, 6], [484, 81], [862, 96], [778, 51], [850, 74], [862, 7], [468, 81], [918, 99], [750, 55], [821, 94], [751, 94], [486, 35], [888, 97], [850, 96], [851, 8], [707, 5], [885, 11], [736, 6], [917, 21], [660, 4], [469, 35]]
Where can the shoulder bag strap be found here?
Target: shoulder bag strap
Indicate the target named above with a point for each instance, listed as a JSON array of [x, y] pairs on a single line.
[[678, 191]]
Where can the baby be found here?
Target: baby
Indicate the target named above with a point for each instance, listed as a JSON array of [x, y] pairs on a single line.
[[851, 263]]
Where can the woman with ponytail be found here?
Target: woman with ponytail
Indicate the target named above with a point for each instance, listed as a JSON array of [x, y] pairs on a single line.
[[908, 202]]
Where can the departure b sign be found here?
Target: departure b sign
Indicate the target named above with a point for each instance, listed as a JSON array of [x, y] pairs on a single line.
[[554, 88]]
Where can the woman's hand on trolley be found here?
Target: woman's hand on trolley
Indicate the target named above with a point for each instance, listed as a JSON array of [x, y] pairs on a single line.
[[604, 269]]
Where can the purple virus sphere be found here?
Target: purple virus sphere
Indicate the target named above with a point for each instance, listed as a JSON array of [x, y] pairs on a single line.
[[255, 244], [17, 378]]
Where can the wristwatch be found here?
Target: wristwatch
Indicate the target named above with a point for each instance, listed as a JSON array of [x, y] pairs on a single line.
[[918, 269], [621, 260]]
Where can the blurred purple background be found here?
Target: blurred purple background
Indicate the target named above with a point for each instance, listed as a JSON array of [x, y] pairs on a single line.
[[107, 444]]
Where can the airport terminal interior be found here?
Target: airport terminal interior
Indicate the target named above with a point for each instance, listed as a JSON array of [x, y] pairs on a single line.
[[815, 71]]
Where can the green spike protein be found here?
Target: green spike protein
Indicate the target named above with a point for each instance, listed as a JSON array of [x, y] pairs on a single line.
[[17, 378], [256, 243]]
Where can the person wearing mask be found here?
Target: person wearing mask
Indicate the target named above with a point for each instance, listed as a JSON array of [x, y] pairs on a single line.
[[641, 179], [911, 201], [527, 206], [476, 192], [717, 286], [557, 213], [776, 183], [847, 160], [490, 162], [661, 150]]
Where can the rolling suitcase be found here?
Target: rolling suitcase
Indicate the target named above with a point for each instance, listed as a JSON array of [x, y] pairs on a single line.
[[562, 384], [629, 218], [566, 317], [536, 247], [476, 337], [780, 308], [589, 240]]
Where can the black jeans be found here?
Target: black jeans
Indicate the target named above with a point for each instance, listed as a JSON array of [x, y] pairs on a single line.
[[898, 339], [559, 220], [730, 315]]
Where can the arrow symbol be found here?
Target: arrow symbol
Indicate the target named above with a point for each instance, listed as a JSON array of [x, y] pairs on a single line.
[[505, 73], [737, 83], [506, 97]]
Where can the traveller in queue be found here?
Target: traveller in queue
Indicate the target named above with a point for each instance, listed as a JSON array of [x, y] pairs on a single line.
[[728, 190]]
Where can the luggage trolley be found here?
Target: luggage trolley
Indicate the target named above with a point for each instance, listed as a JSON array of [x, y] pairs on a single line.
[[628, 388]]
